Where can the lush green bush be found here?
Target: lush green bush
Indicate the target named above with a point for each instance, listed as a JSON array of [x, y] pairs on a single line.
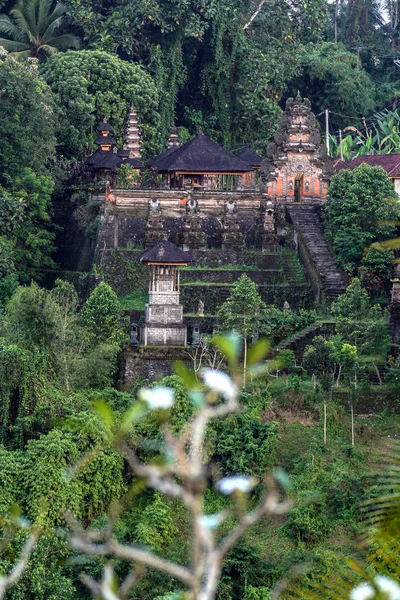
[[244, 444], [360, 204], [90, 85]]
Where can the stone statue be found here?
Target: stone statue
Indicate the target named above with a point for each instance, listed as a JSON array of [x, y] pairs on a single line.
[[269, 218], [286, 306], [154, 206], [191, 205], [200, 309], [231, 207]]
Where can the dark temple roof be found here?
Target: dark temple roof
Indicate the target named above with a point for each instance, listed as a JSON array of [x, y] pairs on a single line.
[[153, 162], [102, 159], [105, 139], [200, 155], [389, 162], [250, 157], [165, 253], [135, 162], [105, 127]]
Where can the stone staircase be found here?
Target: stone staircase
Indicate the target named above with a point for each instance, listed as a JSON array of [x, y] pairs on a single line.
[[315, 251], [298, 341]]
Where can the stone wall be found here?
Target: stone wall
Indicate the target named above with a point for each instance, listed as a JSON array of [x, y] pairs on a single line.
[[152, 363], [124, 222]]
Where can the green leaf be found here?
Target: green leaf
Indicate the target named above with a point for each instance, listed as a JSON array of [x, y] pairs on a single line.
[[187, 376], [102, 409], [230, 345], [258, 351], [133, 415]]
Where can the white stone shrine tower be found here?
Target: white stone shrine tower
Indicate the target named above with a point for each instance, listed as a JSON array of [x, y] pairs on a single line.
[[164, 315]]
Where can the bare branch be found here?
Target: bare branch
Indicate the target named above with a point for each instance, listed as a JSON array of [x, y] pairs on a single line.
[[269, 506], [144, 557], [20, 566], [254, 15], [104, 589]]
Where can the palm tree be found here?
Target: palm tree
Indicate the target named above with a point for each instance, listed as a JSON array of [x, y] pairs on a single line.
[[33, 29]]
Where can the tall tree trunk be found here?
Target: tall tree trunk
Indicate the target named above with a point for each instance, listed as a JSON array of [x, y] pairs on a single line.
[[324, 422]]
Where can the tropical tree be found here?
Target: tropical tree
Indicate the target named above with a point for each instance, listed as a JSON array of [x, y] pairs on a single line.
[[244, 311], [362, 325], [361, 202], [34, 29]]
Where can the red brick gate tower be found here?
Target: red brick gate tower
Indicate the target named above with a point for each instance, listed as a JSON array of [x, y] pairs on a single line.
[[297, 168]]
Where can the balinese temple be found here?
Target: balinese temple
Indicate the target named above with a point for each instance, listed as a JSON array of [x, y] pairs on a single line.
[[297, 168], [133, 134], [163, 324], [105, 159], [201, 163], [254, 160]]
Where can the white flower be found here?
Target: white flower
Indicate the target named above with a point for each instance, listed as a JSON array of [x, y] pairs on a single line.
[[211, 521], [388, 586], [364, 591], [158, 397], [219, 382], [238, 483]]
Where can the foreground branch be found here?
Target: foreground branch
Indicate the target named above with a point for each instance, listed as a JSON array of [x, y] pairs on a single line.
[[21, 565]]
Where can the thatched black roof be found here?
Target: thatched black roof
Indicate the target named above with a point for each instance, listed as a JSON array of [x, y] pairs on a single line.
[[153, 162], [104, 139], [124, 152], [136, 163], [200, 155], [165, 253], [102, 159], [250, 157], [105, 127]]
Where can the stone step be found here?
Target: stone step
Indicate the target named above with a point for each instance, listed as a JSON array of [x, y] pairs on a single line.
[[306, 220]]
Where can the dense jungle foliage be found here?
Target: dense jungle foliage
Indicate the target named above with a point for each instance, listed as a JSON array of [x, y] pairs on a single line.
[[226, 66]]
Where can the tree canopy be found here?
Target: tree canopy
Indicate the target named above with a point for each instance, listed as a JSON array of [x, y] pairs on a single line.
[[90, 85], [362, 206]]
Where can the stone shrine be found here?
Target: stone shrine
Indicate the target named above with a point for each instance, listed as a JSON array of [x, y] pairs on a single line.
[[164, 315], [297, 168]]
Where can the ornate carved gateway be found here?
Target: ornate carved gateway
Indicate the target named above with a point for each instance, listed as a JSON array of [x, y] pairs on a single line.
[[297, 168]]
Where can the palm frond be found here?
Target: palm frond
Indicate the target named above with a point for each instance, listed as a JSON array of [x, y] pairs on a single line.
[[45, 17], [52, 27], [65, 41], [30, 11], [47, 50], [8, 28], [22, 24], [13, 46], [21, 55]]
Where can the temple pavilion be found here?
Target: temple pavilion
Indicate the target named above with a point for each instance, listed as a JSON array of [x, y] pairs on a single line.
[[201, 164]]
